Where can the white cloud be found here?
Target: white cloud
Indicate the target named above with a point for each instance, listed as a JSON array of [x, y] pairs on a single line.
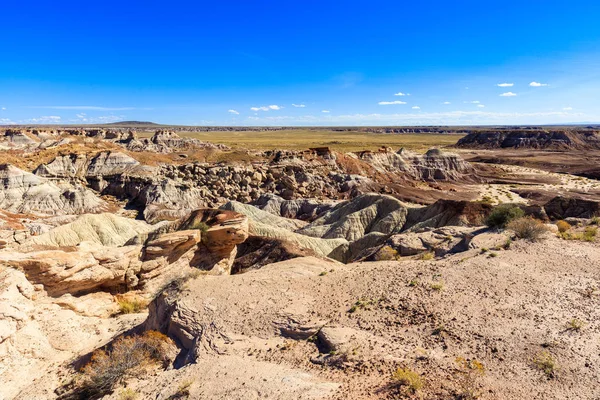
[[3, 108], [568, 108], [299, 105], [508, 94], [267, 108], [446, 102], [325, 111], [6, 121], [416, 108], [505, 84], [233, 112], [472, 102], [537, 84], [402, 94], [387, 103], [48, 119], [478, 117], [480, 105], [88, 108]]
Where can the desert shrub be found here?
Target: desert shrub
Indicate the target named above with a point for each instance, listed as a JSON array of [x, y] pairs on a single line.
[[128, 356], [200, 225], [131, 305], [471, 371], [563, 226], [589, 234], [575, 325], [486, 200], [437, 286], [427, 256], [128, 394], [360, 305], [386, 253], [411, 380], [502, 215], [595, 220], [545, 363], [528, 228]]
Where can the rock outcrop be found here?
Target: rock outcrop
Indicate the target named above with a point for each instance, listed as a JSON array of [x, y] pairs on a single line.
[[533, 139], [38, 333], [104, 229], [206, 241], [103, 164], [354, 219], [434, 165], [572, 207], [24, 192], [168, 141]]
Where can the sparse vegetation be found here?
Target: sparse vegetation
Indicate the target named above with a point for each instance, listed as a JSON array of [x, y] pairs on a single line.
[[563, 226], [502, 215], [131, 305], [486, 200], [201, 226], [359, 305], [528, 228], [128, 394], [590, 233], [437, 286], [344, 141], [595, 220], [323, 273], [413, 283], [386, 253], [183, 390], [427, 256], [575, 325], [545, 362], [471, 370], [128, 356], [408, 379]]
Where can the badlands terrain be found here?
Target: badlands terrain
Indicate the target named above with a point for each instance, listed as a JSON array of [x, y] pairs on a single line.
[[150, 262]]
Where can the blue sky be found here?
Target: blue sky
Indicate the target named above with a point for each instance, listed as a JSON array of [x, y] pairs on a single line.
[[300, 62]]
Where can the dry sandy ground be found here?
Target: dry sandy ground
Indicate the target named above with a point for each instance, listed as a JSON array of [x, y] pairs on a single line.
[[500, 310], [533, 180]]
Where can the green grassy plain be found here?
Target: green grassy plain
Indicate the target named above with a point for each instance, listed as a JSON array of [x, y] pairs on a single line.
[[299, 139]]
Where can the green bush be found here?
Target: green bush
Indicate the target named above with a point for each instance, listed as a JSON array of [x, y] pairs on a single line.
[[502, 215]]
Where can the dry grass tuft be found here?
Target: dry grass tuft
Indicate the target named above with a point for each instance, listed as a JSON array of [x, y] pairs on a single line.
[[131, 305], [528, 228], [408, 379], [127, 357], [546, 363], [386, 253]]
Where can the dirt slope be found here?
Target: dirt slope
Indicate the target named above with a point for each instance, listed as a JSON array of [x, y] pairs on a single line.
[[369, 319]]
